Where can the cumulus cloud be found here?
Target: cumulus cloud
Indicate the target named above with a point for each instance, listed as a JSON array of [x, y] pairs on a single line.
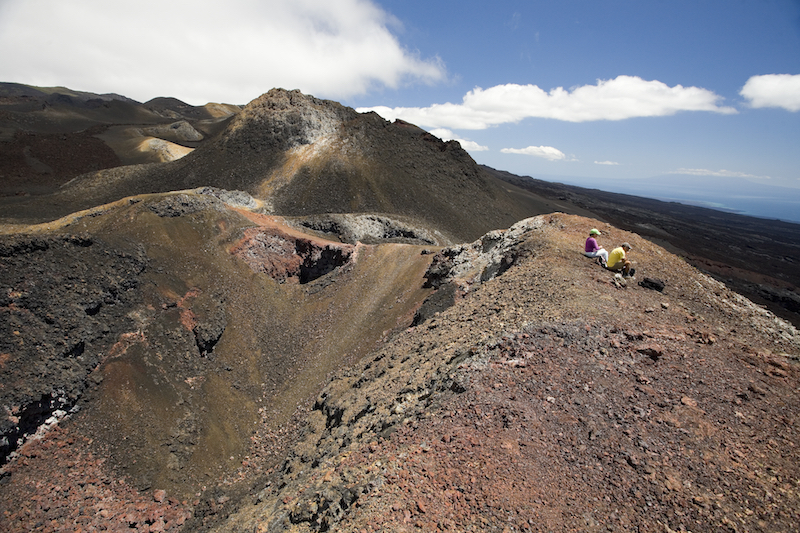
[[472, 146], [719, 173], [606, 163], [545, 152], [443, 133], [207, 50], [773, 90], [447, 135], [617, 99]]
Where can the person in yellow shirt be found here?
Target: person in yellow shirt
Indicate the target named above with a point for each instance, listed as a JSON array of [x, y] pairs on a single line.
[[618, 260]]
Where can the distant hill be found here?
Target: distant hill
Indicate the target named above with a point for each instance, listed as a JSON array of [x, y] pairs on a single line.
[[305, 156], [53, 94], [49, 136]]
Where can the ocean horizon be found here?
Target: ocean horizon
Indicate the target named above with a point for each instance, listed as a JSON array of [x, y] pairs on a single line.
[[730, 195]]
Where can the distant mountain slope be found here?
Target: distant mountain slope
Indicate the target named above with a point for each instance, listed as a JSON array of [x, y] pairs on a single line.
[[305, 156], [50, 135], [61, 110], [758, 197], [21, 91]]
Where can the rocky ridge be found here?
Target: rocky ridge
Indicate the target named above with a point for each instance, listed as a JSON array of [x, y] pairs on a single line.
[[544, 393], [703, 237], [555, 399]]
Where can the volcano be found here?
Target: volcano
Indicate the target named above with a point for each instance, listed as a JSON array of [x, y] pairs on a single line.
[[289, 316]]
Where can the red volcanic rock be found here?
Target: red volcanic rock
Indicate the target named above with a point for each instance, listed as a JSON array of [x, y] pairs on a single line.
[[289, 258], [69, 488]]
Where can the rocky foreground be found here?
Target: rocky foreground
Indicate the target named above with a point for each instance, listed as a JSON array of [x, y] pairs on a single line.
[[535, 392]]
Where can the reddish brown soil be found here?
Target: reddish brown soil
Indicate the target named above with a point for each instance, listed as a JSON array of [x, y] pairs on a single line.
[[553, 399], [67, 487], [554, 436], [548, 399]]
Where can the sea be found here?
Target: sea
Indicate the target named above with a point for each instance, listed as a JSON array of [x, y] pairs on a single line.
[[732, 195]]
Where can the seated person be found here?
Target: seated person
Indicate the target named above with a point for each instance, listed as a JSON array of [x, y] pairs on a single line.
[[592, 249], [618, 261]]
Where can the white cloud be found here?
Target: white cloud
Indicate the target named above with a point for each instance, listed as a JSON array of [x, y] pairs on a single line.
[[545, 152], [720, 173], [617, 99], [773, 90], [606, 163], [443, 133], [447, 135], [472, 146], [207, 50]]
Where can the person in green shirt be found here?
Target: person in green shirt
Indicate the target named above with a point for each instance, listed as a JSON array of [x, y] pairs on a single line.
[[618, 260]]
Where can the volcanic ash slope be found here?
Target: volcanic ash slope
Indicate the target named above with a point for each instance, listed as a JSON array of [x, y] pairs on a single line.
[[166, 331], [534, 390], [554, 397]]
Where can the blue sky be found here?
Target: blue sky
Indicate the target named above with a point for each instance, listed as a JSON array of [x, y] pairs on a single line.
[[602, 93]]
